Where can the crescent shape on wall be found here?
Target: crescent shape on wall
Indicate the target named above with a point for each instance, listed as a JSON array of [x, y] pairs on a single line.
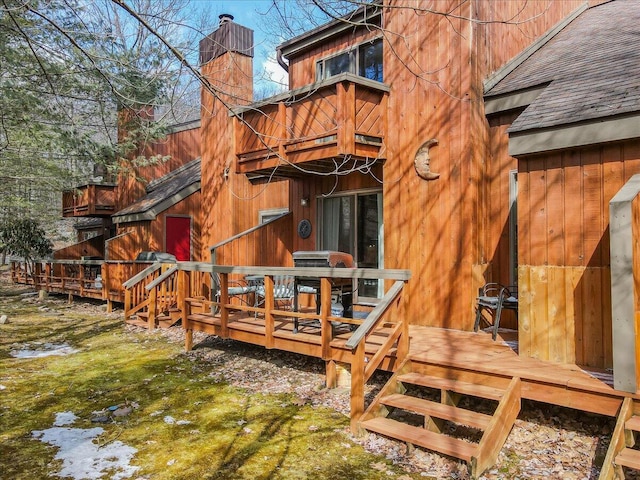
[[421, 162]]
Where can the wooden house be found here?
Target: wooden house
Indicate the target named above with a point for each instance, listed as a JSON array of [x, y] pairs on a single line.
[[381, 147], [485, 144]]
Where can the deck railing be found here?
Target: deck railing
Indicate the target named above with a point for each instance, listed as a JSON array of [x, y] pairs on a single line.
[[341, 116], [89, 200], [136, 295], [79, 277], [73, 277], [364, 357]]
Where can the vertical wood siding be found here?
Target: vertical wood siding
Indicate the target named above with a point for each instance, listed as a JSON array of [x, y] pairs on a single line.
[[270, 245], [302, 69], [564, 273], [447, 230], [150, 235]]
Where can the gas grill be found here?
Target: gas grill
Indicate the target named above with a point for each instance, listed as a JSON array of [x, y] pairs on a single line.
[[342, 287]]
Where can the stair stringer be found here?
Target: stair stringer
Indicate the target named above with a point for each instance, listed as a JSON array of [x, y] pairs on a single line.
[[620, 439], [498, 430], [376, 409]]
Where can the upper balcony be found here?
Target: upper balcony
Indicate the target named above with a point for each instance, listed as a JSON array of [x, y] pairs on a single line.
[[90, 200], [335, 125]]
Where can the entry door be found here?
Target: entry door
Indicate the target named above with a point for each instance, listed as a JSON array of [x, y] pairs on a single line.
[[178, 237]]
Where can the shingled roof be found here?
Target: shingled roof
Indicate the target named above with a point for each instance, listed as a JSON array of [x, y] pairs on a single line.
[[163, 193], [588, 71]]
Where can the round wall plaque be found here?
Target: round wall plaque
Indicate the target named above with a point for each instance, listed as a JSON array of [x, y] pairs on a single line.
[[304, 228]]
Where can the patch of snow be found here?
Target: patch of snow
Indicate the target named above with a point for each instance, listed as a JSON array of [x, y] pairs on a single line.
[[64, 418], [169, 420], [81, 457], [2, 387], [47, 350]]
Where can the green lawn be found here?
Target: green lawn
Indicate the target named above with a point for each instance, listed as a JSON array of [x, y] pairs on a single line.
[[187, 424]]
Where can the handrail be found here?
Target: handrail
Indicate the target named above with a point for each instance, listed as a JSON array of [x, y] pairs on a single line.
[[290, 95], [319, 272], [161, 278], [374, 317], [213, 248], [140, 276]]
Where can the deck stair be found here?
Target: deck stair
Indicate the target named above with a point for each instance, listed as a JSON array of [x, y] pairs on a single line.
[[424, 409], [162, 320], [623, 453]]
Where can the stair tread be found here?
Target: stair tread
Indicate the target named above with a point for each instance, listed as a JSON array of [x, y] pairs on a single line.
[[633, 423], [137, 322], [438, 410], [437, 442], [629, 457], [457, 386], [143, 314]]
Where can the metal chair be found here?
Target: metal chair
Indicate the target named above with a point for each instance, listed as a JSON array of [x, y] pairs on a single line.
[[282, 291], [236, 288], [495, 297]]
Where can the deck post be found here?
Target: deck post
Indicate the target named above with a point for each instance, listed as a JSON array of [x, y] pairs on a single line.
[[47, 275], [81, 279], [184, 282], [325, 311], [284, 132], [153, 308], [127, 302], [331, 374], [357, 387], [269, 305], [403, 341], [224, 301], [346, 116]]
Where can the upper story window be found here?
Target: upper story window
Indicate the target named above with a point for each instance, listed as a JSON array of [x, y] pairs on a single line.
[[364, 60]]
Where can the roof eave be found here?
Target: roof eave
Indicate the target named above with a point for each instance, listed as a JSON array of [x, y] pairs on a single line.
[[152, 212], [359, 18], [583, 134]]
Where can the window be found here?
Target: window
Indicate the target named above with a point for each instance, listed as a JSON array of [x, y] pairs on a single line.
[[353, 223], [364, 60], [266, 215]]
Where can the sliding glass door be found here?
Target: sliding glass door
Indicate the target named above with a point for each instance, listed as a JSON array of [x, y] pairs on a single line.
[[352, 223]]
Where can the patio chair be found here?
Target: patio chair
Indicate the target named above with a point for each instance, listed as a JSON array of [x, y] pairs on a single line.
[[282, 291], [237, 288], [495, 298]]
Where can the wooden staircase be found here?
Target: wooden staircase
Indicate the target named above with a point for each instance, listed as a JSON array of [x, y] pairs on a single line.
[[407, 409], [622, 453]]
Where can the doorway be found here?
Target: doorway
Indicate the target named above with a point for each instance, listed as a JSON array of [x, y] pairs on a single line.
[[178, 237]]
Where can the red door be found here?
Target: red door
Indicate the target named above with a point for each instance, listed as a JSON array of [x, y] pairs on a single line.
[[178, 237]]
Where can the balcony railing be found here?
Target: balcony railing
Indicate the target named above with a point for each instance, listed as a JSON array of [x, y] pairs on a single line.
[[91, 200], [336, 125]]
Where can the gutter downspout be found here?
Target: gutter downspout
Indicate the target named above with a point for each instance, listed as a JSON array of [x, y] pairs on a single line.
[[281, 61]]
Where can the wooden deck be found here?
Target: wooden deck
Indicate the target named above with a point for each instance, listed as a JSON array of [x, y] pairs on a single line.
[[307, 341], [457, 355], [474, 357]]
